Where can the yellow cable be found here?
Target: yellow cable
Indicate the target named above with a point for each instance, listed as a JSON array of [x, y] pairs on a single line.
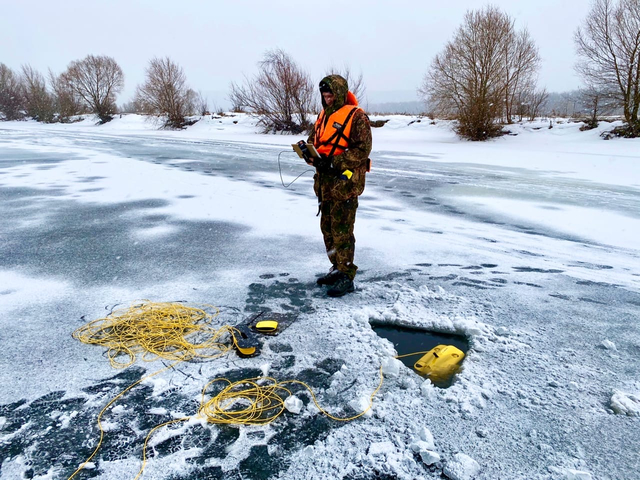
[[263, 404], [177, 332], [111, 402], [169, 331], [411, 354], [153, 331]]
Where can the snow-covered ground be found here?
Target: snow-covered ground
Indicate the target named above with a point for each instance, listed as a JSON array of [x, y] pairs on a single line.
[[525, 244]]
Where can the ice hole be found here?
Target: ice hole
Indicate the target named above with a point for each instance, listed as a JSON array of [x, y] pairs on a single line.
[[410, 340]]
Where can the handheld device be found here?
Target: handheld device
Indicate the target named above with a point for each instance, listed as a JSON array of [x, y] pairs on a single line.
[[305, 150]]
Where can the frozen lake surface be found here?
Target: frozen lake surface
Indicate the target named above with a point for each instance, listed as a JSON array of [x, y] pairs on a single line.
[[527, 245]]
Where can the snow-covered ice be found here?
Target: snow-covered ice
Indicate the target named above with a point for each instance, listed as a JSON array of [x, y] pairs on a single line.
[[525, 244]]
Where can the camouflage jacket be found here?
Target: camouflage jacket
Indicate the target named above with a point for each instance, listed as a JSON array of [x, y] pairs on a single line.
[[329, 186]]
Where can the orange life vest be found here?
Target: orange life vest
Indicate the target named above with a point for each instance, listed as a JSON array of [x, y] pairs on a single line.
[[332, 134]]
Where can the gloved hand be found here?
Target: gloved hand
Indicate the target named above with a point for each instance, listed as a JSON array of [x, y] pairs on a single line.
[[323, 164]]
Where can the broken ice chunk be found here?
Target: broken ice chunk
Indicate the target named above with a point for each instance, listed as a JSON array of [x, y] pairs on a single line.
[[461, 467], [391, 367], [293, 404]]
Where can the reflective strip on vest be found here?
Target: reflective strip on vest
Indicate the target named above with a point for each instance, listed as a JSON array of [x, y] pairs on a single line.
[[332, 135]]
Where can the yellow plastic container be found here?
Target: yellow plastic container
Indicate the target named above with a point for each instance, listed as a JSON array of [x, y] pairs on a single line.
[[266, 326], [440, 363]]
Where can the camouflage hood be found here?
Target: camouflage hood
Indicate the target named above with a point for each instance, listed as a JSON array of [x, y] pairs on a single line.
[[340, 88]]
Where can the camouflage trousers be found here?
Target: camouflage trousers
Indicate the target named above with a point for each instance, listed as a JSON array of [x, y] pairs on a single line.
[[336, 222]]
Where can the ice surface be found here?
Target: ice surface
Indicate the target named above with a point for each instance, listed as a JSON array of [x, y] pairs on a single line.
[[525, 245]]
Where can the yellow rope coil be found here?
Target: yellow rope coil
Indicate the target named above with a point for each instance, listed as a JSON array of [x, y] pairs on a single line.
[[168, 331]]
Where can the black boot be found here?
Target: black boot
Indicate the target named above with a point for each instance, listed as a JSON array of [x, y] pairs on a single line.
[[341, 287], [330, 278]]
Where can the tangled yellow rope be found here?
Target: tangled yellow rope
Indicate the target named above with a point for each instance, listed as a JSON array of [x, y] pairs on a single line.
[[260, 401], [168, 331], [263, 402]]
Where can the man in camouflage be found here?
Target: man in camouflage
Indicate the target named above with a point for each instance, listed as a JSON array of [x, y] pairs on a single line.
[[337, 191]]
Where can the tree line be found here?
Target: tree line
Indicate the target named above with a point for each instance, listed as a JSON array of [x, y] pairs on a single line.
[[485, 77], [487, 73], [91, 85]]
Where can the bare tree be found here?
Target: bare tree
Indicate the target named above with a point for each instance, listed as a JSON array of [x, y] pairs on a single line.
[[281, 94], [522, 64], [97, 80], [165, 93], [66, 102], [128, 107], [356, 83], [11, 95], [202, 104], [537, 99], [236, 102], [482, 73], [528, 101], [596, 103], [39, 103], [608, 44], [467, 81]]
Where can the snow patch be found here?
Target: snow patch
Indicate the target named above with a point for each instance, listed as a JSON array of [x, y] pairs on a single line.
[[391, 367], [571, 474], [17, 289], [461, 467], [158, 411], [623, 403], [381, 448], [426, 436]]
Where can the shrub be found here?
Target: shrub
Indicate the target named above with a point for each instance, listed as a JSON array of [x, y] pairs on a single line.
[[165, 93], [96, 80], [281, 95], [11, 95]]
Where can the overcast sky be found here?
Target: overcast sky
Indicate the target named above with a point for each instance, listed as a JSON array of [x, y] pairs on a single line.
[[215, 41]]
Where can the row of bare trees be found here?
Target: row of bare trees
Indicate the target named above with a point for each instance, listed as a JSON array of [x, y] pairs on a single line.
[[26, 94], [485, 77], [91, 85], [87, 86], [282, 95], [487, 74]]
